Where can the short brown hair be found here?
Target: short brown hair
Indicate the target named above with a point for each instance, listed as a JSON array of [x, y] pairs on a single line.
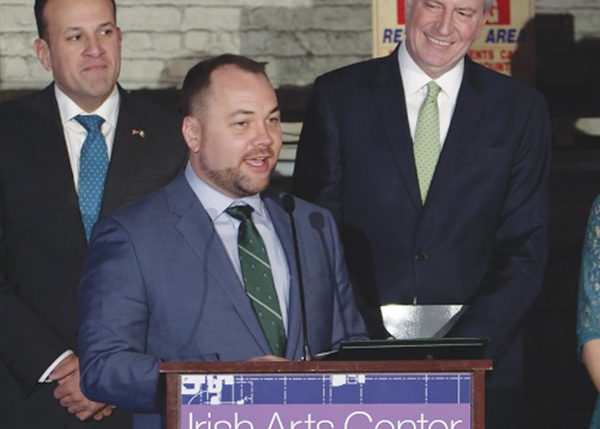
[[197, 79], [38, 10]]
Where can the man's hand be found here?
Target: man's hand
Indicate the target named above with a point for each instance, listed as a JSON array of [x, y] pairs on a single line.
[[68, 392]]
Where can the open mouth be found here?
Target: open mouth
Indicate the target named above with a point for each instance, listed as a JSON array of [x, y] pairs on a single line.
[[256, 162], [437, 41]]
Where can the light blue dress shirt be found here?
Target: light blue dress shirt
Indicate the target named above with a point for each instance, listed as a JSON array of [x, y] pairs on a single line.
[[215, 203]]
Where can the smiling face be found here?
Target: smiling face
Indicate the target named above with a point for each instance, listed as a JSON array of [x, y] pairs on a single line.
[[82, 48], [440, 32], [234, 134]]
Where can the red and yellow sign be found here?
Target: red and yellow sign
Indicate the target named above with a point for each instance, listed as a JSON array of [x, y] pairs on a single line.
[[505, 43]]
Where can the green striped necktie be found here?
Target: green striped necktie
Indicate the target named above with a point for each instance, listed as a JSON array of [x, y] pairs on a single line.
[[258, 278]]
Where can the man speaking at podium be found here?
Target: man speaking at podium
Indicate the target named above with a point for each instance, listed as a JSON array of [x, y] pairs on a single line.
[[204, 269]]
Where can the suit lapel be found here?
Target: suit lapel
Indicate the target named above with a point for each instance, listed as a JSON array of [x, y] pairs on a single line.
[[282, 226], [389, 99], [50, 156], [469, 107], [196, 229], [126, 155]]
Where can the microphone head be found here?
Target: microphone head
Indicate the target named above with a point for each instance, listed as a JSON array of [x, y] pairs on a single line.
[[288, 203]]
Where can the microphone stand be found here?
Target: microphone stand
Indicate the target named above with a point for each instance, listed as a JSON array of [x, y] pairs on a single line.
[[289, 205]]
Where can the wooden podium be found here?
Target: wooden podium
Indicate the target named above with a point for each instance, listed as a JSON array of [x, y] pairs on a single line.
[[423, 394]]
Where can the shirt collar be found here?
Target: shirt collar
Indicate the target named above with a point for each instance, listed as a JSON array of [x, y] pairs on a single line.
[[68, 109], [215, 202], [414, 78]]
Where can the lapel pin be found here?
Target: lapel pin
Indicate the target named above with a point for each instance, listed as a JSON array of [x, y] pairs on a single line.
[[141, 133]]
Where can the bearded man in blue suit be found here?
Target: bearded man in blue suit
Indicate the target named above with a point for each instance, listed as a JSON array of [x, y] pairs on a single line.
[[461, 222], [163, 279]]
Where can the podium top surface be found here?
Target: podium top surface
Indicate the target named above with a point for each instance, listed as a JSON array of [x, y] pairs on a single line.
[[328, 366]]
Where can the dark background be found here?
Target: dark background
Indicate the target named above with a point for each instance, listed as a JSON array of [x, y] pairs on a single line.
[[558, 393]]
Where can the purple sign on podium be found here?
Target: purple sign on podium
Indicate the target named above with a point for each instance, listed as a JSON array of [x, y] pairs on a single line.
[[326, 401]]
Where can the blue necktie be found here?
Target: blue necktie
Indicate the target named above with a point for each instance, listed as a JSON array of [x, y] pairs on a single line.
[[93, 164]]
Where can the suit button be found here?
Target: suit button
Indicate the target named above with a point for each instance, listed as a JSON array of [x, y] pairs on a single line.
[[421, 255]]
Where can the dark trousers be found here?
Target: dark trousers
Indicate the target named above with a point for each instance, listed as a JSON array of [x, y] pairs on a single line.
[[504, 408]]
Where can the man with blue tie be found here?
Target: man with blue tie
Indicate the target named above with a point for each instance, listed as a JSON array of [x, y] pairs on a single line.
[[436, 169], [204, 269], [78, 148]]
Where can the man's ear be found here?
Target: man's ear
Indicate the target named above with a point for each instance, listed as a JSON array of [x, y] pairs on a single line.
[[192, 133], [484, 19], [42, 50], [487, 15]]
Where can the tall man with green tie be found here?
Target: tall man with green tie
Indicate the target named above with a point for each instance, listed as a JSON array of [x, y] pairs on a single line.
[[77, 149], [436, 207], [205, 269]]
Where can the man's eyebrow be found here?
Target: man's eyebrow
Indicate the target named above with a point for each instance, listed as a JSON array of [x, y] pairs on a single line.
[[101, 25], [242, 112], [251, 112]]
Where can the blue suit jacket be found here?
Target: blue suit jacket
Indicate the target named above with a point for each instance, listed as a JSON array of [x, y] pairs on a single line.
[[159, 285], [480, 238]]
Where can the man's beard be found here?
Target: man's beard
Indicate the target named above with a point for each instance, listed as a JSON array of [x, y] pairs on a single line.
[[234, 181]]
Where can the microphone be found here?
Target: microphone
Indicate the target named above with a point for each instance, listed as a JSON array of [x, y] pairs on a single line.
[[289, 205]]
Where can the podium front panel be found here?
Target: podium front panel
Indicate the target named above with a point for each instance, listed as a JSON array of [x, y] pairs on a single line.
[[325, 401], [325, 395]]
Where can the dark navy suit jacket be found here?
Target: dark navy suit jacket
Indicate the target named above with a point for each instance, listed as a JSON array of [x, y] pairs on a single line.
[[479, 239], [42, 240], [159, 285]]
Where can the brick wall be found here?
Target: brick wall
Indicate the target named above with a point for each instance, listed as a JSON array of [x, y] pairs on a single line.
[[299, 38]]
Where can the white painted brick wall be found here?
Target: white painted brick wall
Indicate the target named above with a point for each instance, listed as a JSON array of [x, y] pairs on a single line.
[[162, 39]]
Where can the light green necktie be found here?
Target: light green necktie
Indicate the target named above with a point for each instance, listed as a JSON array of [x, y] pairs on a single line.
[[258, 278], [427, 139]]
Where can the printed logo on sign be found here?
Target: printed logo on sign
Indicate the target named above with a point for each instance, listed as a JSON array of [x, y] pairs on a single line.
[[500, 14], [400, 8]]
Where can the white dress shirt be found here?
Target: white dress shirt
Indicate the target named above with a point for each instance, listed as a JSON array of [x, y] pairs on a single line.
[[215, 203], [75, 133], [414, 82]]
